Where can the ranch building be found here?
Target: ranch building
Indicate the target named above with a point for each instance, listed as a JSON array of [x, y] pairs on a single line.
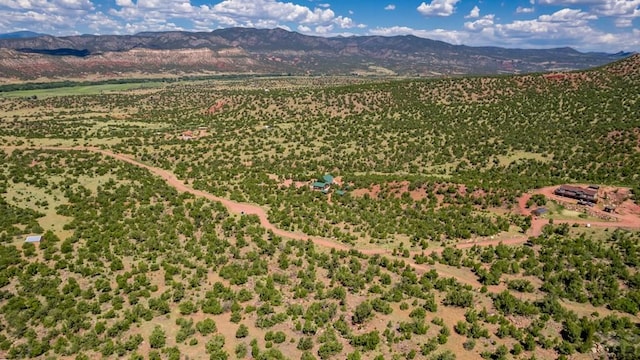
[[320, 185], [578, 193]]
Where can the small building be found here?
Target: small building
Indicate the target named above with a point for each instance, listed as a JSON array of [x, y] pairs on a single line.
[[340, 192], [33, 239], [323, 184], [578, 193], [328, 178], [319, 185], [187, 135], [539, 211]]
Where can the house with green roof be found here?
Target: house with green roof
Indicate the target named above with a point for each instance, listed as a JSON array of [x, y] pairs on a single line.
[[328, 178], [323, 184], [320, 185]]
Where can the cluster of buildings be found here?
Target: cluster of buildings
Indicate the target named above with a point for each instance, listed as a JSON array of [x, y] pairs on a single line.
[[191, 135], [585, 196], [324, 185]]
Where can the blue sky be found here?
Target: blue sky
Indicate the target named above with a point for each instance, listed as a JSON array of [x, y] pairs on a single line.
[[587, 25]]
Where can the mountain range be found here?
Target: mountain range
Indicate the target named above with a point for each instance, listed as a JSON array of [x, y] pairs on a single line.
[[28, 56], [20, 35]]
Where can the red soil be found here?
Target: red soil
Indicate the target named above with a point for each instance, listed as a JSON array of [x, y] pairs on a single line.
[[628, 219], [627, 213], [217, 107]]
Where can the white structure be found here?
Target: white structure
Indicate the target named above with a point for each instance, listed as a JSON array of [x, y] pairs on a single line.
[[33, 238]]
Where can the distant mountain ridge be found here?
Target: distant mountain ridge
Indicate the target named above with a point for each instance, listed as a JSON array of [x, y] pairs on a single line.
[[272, 51], [20, 35]]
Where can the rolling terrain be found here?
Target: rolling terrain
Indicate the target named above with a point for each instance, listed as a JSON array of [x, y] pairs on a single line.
[[275, 51], [180, 219]]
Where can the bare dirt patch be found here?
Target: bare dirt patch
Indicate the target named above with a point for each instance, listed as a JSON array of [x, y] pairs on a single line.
[[216, 107], [286, 183], [626, 221], [372, 192]]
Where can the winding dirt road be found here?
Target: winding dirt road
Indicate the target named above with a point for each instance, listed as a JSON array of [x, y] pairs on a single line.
[[252, 209], [233, 206]]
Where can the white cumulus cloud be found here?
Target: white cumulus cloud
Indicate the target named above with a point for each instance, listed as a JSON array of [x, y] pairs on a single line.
[[474, 13], [229, 13], [124, 3], [390, 7], [264, 9], [438, 8], [575, 2], [50, 6], [568, 16], [480, 24], [624, 8], [622, 11]]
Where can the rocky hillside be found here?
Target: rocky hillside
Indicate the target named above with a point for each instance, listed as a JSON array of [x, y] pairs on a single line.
[[22, 65], [271, 51], [629, 67]]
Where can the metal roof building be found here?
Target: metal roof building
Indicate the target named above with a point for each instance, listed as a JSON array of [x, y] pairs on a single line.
[[328, 178], [33, 238]]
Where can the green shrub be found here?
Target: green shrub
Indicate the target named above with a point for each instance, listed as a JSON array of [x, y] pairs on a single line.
[[242, 332], [158, 338]]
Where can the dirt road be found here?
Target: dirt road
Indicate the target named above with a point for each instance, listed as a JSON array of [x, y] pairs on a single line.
[[252, 209], [235, 207]]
